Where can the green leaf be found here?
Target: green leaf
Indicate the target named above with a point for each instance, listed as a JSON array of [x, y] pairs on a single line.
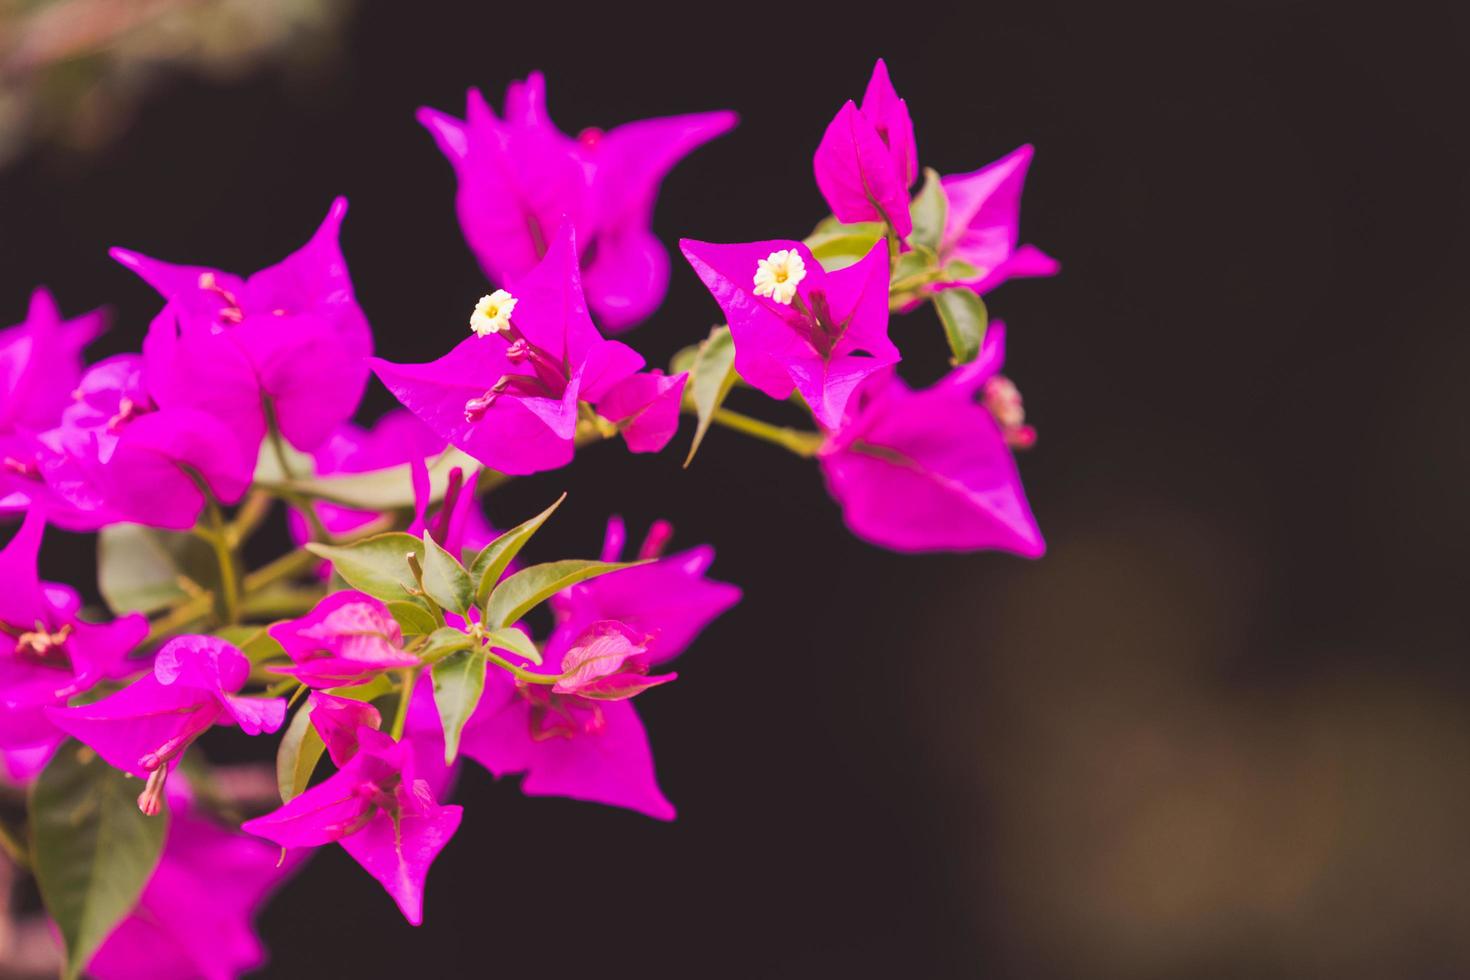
[[963, 314], [376, 565], [300, 750], [268, 464], [494, 558], [912, 264], [444, 641], [414, 619], [928, 211], [142, 569], [92, 849], [256, 643], [683, 359], [528, 588], [838, 246], [445, 580], [958, 270], [711, 376], [459, 680], [390, 488], [515, 641]]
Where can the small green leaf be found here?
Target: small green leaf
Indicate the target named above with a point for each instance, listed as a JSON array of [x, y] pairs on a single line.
[[459, 680], [444, 641], [413, 618], [92, 849], [445, 580], [260, 646], [515, 641], [912, 264], [929, 210], [268, 465], [142, 569], [376, 565], [493, 559], [963, 314], [838, 246], [958, 270], [711, 376], [528, 588], [300, 750]]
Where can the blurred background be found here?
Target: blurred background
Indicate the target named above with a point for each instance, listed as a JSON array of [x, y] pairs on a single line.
[[1220, 730]]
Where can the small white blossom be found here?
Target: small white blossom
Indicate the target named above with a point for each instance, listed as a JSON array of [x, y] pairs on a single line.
[[492, 313], [778, 274]]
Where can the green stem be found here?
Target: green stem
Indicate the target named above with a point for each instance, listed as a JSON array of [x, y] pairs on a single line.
[[189, 611], [218, 537], [800, 442], [13, 848], [521, 673], [405, 695], [281, 602]]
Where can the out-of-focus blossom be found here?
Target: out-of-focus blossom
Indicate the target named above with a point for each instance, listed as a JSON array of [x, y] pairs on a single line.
[[379, 811], [510, 398], [822, 337], [519, 177], [867, 160], [931, 470], [47, 653], [145, 728], [40, 365], [193, 919], [291, 335]]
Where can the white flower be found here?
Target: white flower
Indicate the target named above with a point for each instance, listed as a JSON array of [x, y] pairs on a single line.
[[492, 313], [778, 274]]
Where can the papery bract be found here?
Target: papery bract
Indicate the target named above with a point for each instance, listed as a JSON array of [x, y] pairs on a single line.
[[830, 336], [48, 654], [379, 811], [565, 744], [117, 456], [145, 728], [291, 334], [930, 470], [193, 919], [347, 639], [867, 159], [982, 224], [670, 598], [509, 399], [519, 177], [337, 720]]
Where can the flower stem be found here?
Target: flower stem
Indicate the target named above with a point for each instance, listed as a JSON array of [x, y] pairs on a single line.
[[194, 608], [218, 536], [13, 848], [405, 696], [520, 673], [800, 442]]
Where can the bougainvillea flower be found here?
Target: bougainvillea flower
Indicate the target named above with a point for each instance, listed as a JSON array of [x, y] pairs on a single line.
[[349, 638], [337, 720], [931, 470], [669, 598], [193, 919], [292, 333], [982, 224], [608, 662], [509, 398], [646, 408], [118, 455], [570, 744], [379, 811], [795, 324], [519, 176], [145, 728], [47, 654], [867, 160], [40, 363]]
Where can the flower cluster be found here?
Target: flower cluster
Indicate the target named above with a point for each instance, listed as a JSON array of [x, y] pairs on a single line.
[[393, 638]]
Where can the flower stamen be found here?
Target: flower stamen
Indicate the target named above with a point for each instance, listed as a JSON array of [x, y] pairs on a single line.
[[778, 274], [492, 313]]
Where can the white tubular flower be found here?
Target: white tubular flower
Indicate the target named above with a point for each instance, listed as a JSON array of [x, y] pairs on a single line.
[[778, 274], [492, 313]]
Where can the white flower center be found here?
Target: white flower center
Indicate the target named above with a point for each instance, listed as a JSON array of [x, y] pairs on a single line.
[[492, 313], [778, 274]]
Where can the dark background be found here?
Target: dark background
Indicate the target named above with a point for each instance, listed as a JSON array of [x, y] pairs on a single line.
[[1219, 730]]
